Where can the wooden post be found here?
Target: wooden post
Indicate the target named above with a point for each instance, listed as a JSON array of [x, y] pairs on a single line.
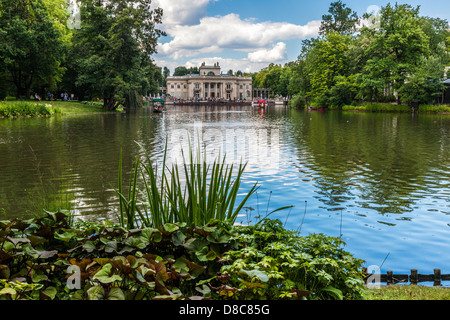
[[437, 277], [414, 276], [390, 278]]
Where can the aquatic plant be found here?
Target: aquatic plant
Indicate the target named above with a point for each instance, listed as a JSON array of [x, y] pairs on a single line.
[[196, 194], [53, 258]]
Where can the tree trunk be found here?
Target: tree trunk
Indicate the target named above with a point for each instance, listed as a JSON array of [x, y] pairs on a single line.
[[109, 104]]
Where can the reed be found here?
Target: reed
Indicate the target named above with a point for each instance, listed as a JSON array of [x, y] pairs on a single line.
[[194, 192]]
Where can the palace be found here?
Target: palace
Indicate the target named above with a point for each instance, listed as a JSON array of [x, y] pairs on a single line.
[[210, 84]]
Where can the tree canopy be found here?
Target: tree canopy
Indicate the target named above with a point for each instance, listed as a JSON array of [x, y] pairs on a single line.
[[108, 57], [394, 55], [32, 46]]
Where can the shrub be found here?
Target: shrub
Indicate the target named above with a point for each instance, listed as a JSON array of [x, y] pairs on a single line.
[[26, 109], [174, 261]]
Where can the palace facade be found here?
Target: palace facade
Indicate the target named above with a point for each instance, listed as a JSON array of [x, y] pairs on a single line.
[[210, 84]]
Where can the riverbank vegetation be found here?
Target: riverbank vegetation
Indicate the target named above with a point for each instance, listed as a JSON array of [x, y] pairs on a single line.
[[56, 258], [22, 108], [392, 56], [27, 109], [165, 254], [407, 292], [44, 51], [389, 107]]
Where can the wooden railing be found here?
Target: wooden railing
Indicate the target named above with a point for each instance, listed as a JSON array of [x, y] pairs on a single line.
[[413, 278]]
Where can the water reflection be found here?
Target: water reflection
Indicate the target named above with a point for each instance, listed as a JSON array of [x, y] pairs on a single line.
[[376, 172]]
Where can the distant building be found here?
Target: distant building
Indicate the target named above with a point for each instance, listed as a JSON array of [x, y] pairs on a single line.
[[210, 84]]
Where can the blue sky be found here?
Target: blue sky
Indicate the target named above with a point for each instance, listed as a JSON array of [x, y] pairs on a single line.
[[247, 35]]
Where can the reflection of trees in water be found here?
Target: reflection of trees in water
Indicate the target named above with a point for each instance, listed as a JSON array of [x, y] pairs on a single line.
[[380, 161], [383, 162]]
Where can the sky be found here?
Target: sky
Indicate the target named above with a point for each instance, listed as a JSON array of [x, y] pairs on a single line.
[[248, 35]]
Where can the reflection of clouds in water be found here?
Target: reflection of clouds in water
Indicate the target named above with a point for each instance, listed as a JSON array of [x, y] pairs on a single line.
[[258, 147]]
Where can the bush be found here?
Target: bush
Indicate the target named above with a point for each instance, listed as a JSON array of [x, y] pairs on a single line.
[[26, 109], [378, 107], [174, 261], [424, 108]]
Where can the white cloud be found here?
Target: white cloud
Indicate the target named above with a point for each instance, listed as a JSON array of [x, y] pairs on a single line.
[[213, 34], [227, 63], [182, 12], [277, 53]]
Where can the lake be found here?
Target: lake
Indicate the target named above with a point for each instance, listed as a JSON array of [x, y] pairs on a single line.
[[381, 181]]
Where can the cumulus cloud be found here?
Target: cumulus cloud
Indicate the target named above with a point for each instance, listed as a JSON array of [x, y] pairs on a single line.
[[231, 32], [277, 53], [227, 63], [182, 12]]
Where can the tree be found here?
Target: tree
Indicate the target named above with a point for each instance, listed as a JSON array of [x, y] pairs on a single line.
[[114, 47], [31, 46], [325, 61], [340, 19], [398, 47], [182, 71]]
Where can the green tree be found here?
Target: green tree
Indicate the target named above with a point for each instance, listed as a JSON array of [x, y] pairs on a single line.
[[398, 46], [325, 61], [31, 46], [340, 19], [114, 47]]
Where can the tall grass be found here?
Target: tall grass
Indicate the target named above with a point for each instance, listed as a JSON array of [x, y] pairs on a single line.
[[26, 109], [378, 107], [194, 192], [424, 108]]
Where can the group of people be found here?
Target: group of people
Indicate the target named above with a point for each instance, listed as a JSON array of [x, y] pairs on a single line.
[[64, 96]]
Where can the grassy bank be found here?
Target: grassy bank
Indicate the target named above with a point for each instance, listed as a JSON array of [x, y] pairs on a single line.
[[387, 107], [408, 292], [26, 109], [15, 109]]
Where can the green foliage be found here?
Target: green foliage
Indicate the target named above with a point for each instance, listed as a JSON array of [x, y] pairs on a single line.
[[396, 55], [113, 51], [197, 194], [378, 107], [26, 109], [340, 19], [274, 263], [31, 45], [423, 108], [55, 258]]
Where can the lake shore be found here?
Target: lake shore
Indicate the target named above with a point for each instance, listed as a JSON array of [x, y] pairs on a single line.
[[33, 108], [387, 107]]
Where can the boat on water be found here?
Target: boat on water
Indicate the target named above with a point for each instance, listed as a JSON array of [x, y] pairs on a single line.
[[317, 108], [158, 105], [259, 103]]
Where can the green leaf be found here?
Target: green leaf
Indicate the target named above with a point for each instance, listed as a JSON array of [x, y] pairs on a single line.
[[42, 254], [96, 293], [261, 275], [36, 277], [170, 227], [66, 236], [219, 236], [48, 293], [103, 275], [334, 292], [89, 246], [9, 291], [116, 294], [178, 238]]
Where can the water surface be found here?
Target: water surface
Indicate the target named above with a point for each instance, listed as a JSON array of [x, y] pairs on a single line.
[[379, 180]]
